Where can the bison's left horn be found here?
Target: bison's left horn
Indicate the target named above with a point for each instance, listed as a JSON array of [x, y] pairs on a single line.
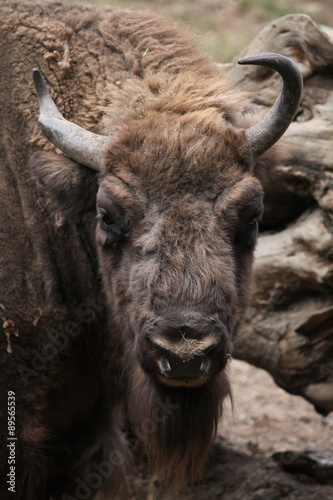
[[268, 131], [80, 145]]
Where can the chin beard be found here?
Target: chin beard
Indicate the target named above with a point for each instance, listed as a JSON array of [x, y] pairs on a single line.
[[177, 425]]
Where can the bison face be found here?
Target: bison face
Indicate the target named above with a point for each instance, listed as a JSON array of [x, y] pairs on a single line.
[[175, 241]]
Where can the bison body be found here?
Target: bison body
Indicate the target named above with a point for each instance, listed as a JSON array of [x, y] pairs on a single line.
[[121, 291]]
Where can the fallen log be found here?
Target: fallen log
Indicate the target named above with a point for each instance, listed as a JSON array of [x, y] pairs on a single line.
[[289, 326]]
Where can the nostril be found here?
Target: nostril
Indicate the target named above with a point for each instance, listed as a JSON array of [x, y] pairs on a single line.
[[209, 349]]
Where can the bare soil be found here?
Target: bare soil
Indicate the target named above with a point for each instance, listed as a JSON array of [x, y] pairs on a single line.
[[265, 420]]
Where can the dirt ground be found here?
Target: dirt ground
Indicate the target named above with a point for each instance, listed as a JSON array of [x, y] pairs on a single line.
[[265, 420]]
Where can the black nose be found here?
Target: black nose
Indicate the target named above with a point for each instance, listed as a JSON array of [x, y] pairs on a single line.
[[184, 354]]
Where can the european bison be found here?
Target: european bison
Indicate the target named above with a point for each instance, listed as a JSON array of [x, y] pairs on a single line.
[[126, 262]]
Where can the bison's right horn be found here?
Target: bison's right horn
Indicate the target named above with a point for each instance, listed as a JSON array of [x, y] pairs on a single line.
[[268, 131], [80, 145]]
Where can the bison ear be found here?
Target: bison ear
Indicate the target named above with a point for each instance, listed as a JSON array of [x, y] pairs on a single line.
[[69, 188]]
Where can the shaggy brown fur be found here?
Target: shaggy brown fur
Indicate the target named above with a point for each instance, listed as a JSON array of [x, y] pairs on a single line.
[[78, 300]]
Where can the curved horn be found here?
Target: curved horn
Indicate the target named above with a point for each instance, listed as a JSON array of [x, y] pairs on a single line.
[[80, 145], [268, 131]]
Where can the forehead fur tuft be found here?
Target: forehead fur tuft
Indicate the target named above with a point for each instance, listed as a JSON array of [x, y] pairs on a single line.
[[185, 93], [178, 132]]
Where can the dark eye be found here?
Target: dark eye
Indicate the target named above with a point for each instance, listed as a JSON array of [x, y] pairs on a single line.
[[117, 228], [113, 229], [252, 224], [246, 234], [107, 222]]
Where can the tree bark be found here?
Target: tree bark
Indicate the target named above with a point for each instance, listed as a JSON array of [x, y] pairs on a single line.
[[288, 330]]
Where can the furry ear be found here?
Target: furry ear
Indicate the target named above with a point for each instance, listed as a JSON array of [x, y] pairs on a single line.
[[70, 188]]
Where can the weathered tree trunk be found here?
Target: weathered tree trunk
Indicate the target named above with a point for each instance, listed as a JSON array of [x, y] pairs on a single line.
[[289, 325]]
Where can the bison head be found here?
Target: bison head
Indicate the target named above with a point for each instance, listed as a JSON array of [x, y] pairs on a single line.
[[178, 206]]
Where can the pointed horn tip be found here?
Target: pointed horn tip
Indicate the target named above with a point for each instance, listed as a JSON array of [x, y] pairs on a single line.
[[277, 62], [261, 57], [36, 75], [39, 82]]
